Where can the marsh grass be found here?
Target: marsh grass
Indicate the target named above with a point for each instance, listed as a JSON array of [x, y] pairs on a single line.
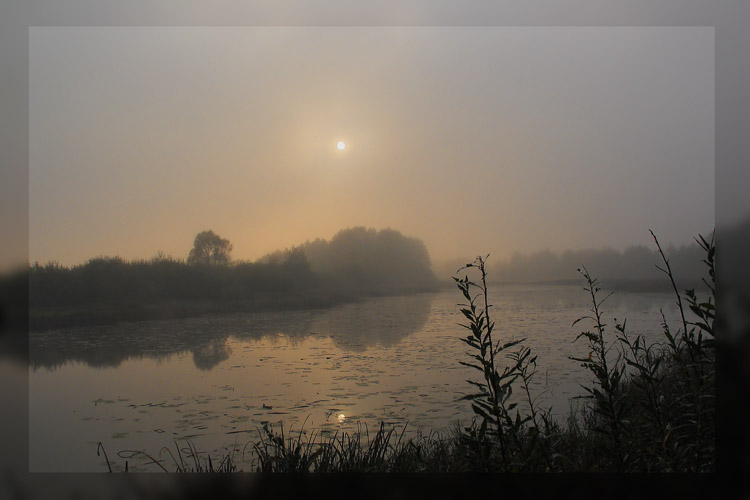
[[385, 450], [652, 405], [185, 459], [648, 408], [522, 441]]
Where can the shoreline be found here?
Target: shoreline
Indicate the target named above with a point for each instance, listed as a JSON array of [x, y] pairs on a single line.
[[42, 319]]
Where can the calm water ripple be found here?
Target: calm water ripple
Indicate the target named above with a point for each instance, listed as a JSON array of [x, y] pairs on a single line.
[[216, 380]]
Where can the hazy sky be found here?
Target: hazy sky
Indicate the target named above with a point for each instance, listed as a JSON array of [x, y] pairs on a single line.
[[475, 140]]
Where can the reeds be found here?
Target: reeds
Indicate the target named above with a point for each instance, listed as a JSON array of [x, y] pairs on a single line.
[[386, 450], [521, 440], [650, 407], [186, 459], [654, 403]]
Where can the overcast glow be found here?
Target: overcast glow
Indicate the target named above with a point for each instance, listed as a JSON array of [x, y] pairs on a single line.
[[474, 139]]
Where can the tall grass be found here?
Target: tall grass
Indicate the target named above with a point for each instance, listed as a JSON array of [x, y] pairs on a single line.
[[385, 450], [653, 404], [521, 442]]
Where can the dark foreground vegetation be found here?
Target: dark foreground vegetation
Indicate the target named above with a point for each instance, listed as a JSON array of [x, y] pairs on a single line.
[[648, 408], [355, 263]]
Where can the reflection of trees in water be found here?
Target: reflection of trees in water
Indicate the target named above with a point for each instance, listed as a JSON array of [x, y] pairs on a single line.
[[208, 356], [109, 346], [382, 321], [352, 327]]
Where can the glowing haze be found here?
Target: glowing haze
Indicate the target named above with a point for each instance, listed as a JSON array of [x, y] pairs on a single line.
[[472, 139]]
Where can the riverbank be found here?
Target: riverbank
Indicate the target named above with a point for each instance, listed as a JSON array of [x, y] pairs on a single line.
[[112, 312], [107, 290], [96, 313]]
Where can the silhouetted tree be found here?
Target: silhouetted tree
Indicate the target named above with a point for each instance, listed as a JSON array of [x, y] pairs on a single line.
[[209, 248], [359, 258]]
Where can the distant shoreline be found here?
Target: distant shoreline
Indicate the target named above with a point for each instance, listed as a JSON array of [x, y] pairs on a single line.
[[615, 285], [112, 312], [109, 313]]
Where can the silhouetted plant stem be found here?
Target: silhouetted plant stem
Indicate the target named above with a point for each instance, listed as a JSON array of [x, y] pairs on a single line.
[[693, 346], [492, 379], [607, 379], [526, 377], [668, 272], [492, 403]]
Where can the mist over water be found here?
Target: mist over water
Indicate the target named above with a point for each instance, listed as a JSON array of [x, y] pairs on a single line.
[[216, 380]]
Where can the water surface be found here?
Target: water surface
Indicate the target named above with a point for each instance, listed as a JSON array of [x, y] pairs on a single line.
[[215, 380]]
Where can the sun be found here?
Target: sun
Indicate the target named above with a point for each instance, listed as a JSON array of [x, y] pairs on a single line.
[[341, 145]]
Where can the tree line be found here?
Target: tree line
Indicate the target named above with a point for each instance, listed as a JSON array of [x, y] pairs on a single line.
[[356, 262], [635, 263]]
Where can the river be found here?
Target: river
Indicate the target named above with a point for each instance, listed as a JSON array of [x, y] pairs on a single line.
[[214, 381]]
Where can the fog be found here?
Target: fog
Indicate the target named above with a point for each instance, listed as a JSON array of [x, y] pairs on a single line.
[[473, 140], [636, 266]]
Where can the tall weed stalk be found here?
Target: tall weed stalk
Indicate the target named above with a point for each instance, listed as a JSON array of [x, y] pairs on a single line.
[[492, 403], [607, 395], [655, 402]]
